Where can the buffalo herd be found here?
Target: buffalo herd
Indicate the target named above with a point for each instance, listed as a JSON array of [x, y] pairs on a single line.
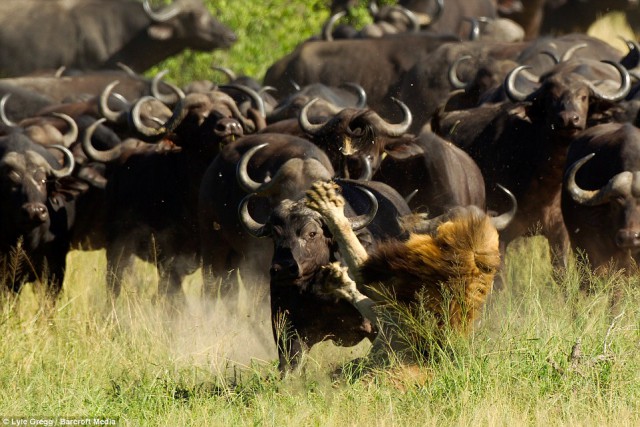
[[392, 162]]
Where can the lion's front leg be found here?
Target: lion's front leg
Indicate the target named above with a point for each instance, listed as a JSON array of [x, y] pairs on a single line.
[[324, 198], [334, 281]]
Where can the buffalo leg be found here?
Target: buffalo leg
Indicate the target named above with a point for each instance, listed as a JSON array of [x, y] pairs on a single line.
[[119, 260]]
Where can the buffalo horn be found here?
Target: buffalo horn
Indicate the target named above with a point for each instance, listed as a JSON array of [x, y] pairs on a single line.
[[569, 52], [512, 92], [163, 15], [625, 85], [454, 80], [68, 165], [98, 155], [250, 225], [72, 134], [242, 175], [414, 22], [474, 34], [632, 59], [136, 120], [155, 89], [103, 104], [327, 28], [425, 19], [616, 185], [362, 94], [228, 72], [255, 97], [394, 130], [303, 119], [502, 221], [124, 67], [367, 171], [361, 221], [3, 114]]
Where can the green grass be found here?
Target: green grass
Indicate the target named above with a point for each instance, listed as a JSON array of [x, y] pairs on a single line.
[[214, 363], [267, 30]]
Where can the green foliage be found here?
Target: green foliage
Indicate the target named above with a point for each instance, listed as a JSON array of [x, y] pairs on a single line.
[[266, 30]]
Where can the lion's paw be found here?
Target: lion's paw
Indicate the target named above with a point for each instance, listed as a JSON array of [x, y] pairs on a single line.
[[324, 198]]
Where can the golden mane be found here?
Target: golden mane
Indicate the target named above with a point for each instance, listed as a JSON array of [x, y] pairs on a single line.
[[456, 265]]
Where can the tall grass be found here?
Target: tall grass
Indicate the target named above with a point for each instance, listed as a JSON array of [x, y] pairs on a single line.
[[213, 363]]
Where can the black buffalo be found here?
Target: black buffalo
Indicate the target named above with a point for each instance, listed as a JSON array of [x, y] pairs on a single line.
[[42, 34], [226, 246], [37, 217], [302, 249], [601, 196], [544, 123]]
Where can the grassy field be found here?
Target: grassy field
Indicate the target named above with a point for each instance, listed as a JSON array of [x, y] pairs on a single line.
[[214, 363], [143, 362]]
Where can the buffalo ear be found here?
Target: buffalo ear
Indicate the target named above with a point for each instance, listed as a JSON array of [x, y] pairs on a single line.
[[160, 31], [402, 150]]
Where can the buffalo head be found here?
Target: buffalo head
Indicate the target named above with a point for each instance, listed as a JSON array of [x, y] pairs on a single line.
[[27, 173], [567, 93], [302, 242], [359, 134], [621, 197], [191, 22]]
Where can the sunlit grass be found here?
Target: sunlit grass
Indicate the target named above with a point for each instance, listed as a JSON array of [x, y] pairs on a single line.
[[213, 363]]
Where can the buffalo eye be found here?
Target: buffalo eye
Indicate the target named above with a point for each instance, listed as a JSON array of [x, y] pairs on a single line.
[[312, 235]]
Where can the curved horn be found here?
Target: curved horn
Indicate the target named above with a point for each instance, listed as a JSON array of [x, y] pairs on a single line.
[[164, 15], [414, 22], [367, 171], [454, 80], [362, 94], [124, 67], [68, 165], [439, 10], [552, 55], [426, 19], [250, 225], [71, 135], [228, 72], [632, 59], [3, 114], [179, 113], [569, 52], [92, 153], [136, 120], [510, 84], [155, 89], [625, 85], [474, 33], [593, 197], [411, 195], [303, 119], [59, 72], [361, 221], [255, 97], [242, 174], [398, 129], [103, 104], [327, 28], [502, 221]]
